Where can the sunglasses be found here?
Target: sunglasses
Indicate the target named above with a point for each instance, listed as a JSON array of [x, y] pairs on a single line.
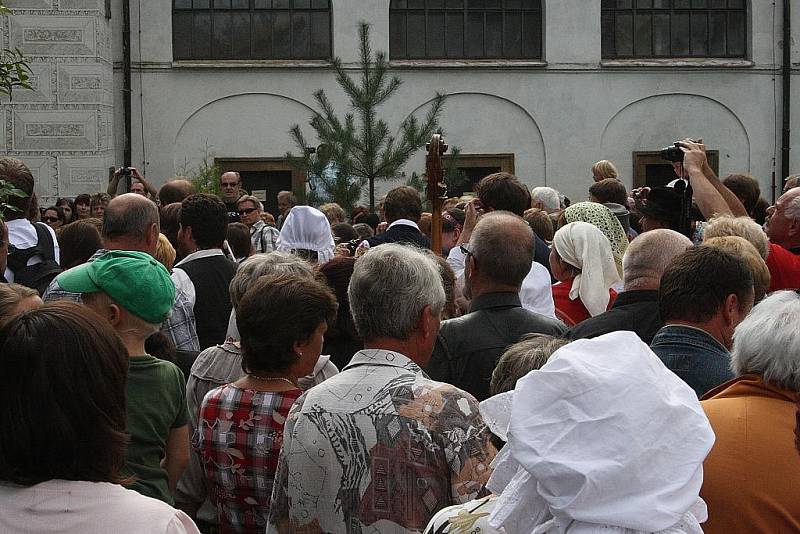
[[50, 219], [247, 211], [229, 185]]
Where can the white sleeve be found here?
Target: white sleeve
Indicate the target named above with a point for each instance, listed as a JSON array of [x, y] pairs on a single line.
[[184, 283], [456, 260], [536, 293], [56, 248], [181, 524]]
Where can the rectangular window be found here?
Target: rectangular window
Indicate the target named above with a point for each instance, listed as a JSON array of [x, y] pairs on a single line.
[[673, 29], [465, 29], [251, 29]]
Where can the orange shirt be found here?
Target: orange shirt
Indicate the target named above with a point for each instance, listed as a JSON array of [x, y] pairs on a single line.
[[751, 479]]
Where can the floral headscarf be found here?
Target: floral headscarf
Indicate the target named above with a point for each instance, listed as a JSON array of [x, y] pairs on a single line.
[[605, 221]]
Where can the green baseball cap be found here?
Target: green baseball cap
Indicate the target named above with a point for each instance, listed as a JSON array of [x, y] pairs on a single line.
[[135, 280]]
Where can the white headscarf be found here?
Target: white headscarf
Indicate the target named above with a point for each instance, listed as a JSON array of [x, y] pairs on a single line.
[[307, 228], [603, 438], [584, 246]]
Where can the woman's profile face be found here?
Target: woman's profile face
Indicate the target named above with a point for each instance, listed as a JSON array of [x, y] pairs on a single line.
[[560, 269]]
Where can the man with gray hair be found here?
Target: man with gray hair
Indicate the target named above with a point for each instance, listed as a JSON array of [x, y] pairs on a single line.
[[545, 198], [783, 229], [498, 258], [380, 447], [636, 307], [131, 223]]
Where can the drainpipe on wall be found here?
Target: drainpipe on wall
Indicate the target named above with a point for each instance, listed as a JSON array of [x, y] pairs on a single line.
[[126, 86], [787, 85]]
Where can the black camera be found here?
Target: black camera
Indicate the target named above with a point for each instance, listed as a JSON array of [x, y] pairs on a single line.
[[125, 171], [672, 153]]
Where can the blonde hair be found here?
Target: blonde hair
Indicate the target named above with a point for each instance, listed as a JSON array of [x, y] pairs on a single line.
[[727, 225], [165, 252], [10, 297], [741, 248], [605, 169]]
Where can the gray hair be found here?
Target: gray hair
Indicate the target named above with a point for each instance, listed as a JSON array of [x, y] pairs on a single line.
[[792, 209], [548, 196], [129, 215], [259, 265], [649, 255], [528, 354], [250, 198], [289, 196], [390, 286], [502, 245], [745, 227], [767, 341]]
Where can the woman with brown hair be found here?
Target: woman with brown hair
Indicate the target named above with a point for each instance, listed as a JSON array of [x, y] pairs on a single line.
[[64, 437], [282, 319]]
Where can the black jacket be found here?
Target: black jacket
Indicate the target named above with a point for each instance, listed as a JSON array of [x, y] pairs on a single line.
[[401, 233], [634, 311], [468, 347]]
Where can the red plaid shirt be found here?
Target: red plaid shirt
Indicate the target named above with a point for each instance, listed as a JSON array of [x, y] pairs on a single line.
[[239, 436]]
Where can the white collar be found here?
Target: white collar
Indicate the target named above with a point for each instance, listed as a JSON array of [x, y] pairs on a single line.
[[198, 254], [405, 222]]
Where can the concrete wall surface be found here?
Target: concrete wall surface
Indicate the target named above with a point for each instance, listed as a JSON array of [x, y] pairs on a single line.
[[557, 116]]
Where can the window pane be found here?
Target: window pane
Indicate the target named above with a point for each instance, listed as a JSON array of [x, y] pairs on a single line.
[[624, 35], [494, 35], [415, 30], [221, 41], [301, 29], [320, 35], [512, 46], [717, 38], [182, 35], [262, 35], [202, 4], [201, 36], [240, 34], [680, 34], [474, 37], [661, 39], [397, 34], [607, 34], [736, 34], [240, 4], [435, 35], [699, 34], [532, 35], [643, 35], [455, 35], [281, 36], [183, 4]]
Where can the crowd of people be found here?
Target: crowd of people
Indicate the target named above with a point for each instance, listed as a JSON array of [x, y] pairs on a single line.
[[184, 362]]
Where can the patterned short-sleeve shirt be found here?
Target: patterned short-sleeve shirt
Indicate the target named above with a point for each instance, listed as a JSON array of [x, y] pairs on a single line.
[[238, 437], [378, 448]]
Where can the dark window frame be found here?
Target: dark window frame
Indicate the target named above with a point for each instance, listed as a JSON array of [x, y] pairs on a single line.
[[715, 44], [266, 10], [449, 10]]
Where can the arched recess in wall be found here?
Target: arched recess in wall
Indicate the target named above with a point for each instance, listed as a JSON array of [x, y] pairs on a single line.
[[659, 120], [483, 123], [246, 125]]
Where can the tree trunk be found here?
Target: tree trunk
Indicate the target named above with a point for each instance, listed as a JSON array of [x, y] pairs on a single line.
[[372, 194]]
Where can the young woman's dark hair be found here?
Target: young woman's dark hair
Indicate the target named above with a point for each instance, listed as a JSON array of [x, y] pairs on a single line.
[[341, 339], [239, 240], [277, 311], [66, 202], [78, 242], [59, 214], [170, 216], [63, 413]]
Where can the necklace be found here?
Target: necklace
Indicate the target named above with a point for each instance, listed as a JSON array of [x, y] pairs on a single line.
[[271, 378]]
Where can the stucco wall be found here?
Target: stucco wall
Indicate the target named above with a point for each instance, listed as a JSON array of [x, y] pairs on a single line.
[[557, 116], [63, 129]]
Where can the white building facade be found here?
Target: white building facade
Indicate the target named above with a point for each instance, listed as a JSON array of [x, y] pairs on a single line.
[[539, 88]]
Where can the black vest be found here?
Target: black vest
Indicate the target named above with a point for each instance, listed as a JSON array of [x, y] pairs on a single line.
[[211, 277]]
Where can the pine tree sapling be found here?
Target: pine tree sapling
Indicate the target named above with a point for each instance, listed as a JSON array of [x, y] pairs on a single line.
[[360, 143]]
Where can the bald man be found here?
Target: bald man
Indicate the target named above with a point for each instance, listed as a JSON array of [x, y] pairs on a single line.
[[636, 307], [498, 258], [175, 190], [230, 186]]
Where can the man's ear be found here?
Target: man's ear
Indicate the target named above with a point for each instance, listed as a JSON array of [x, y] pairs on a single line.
[[114, 315], [428, 323], [730, 308]]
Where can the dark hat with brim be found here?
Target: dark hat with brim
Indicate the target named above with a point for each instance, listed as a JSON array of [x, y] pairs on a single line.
[[621, 213], [661, 204]]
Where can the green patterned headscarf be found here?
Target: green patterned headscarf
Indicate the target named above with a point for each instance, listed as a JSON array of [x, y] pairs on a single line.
[[603, 218]]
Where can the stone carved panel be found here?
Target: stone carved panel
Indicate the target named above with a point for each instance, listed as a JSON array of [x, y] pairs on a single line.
[[81, 4], [106, 132], [42, 87], [82, 175], [43, 169], [54, 36], [55, 130], [29, 4], [2, 131], [87, 83]]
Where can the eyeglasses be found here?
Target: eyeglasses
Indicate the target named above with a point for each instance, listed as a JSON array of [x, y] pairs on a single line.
[[247, 211], [466, 251], [224, 184], [50, 219]]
